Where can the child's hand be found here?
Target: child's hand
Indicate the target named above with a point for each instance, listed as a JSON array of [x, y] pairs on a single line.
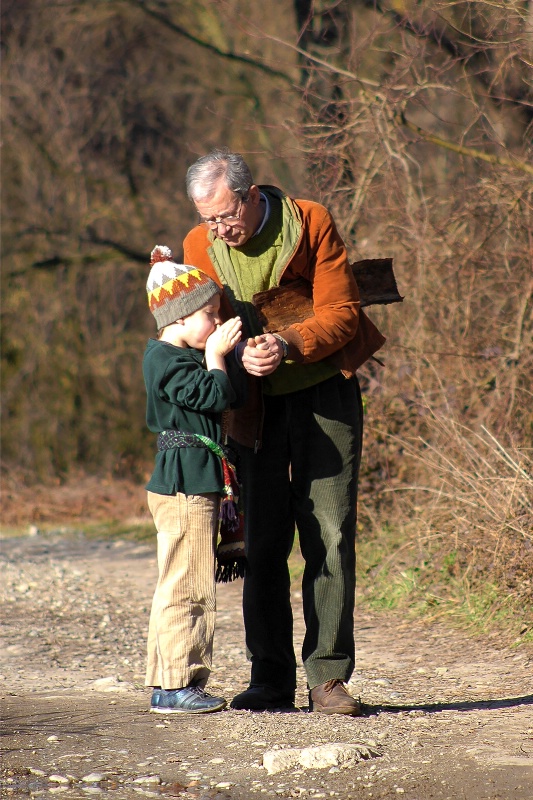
[[224, 338]]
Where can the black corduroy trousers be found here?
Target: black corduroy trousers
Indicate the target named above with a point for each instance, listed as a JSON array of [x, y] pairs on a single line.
[[303, 478]]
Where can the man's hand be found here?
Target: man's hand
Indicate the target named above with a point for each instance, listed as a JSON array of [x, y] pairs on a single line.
[[262, 355]]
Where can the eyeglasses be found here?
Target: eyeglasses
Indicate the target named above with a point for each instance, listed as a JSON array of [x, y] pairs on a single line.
[[229, 220]]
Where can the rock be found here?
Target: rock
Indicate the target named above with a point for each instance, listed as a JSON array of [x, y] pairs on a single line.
[[148, 779], [278, 760], [93, 777], [333, 755], [58, 779], [111, 684], [319, 757]]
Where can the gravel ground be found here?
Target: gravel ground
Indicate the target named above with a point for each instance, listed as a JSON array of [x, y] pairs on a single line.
[[446, 715]]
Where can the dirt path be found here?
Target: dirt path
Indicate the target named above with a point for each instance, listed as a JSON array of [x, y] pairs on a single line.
[[447, 716]]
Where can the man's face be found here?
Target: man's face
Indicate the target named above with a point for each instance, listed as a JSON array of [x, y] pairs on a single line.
[[231, 218]]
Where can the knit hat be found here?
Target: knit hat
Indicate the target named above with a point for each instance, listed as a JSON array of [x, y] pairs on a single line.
[[175, 290]]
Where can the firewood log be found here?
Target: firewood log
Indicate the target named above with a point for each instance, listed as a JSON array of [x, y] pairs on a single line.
[[283, 305]]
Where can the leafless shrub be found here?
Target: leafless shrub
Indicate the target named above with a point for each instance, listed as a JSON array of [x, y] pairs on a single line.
[[411, 140]]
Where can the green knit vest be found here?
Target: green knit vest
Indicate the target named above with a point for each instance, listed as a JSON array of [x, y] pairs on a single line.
[[254, 267]]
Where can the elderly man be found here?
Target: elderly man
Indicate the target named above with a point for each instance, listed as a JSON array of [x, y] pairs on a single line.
[[298, 437]]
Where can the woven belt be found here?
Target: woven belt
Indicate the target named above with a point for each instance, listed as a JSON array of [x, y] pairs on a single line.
[[167, 440]]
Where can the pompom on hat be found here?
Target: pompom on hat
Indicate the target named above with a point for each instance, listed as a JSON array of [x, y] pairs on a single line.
[[175, 290]]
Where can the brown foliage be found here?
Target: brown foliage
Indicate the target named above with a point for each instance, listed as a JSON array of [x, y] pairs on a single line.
[[411, 121], [105, 105], [450, 420]]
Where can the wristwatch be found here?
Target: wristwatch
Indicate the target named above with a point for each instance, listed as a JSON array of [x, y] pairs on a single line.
[[284, 345]]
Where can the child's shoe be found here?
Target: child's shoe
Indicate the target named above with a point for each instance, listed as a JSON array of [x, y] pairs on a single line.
[[189, 700]]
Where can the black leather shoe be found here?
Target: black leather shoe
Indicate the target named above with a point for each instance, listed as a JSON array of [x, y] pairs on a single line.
[[263, 698]]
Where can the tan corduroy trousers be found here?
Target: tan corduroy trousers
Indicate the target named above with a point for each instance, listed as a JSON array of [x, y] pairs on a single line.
[[182, 619]]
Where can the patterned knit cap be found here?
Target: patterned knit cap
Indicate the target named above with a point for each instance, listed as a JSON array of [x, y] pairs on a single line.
[[175, 290]]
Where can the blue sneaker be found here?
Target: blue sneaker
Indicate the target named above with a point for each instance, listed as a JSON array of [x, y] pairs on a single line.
[[190, 700]]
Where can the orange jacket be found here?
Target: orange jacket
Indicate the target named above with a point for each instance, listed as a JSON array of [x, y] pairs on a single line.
[[312, 249]]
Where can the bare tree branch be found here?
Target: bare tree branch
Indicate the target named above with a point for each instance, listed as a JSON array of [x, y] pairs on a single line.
[[225, 54], [471, 152], [400, 118], [465, 46]]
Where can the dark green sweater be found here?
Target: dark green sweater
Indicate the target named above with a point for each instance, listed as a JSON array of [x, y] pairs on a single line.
[[182, 395]]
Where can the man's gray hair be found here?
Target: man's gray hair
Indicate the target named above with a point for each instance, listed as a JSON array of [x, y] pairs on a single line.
[[204, 175]]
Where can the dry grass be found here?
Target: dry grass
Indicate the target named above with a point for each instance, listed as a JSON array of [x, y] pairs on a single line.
[[453, 534]]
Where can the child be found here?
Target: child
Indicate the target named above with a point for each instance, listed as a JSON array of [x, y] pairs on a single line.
[[185, 401]]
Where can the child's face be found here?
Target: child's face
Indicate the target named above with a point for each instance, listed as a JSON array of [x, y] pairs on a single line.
[[197, 327]]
